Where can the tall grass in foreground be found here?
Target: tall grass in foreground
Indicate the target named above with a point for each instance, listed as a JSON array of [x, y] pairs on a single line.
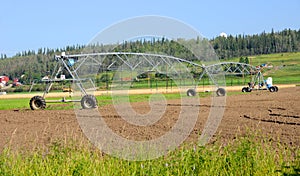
[[243, 156]]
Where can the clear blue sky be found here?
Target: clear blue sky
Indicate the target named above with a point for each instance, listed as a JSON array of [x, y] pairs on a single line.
[[33, 24]]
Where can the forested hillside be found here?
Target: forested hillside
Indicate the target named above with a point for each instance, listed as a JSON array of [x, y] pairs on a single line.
[[265, 43], [36, 64]]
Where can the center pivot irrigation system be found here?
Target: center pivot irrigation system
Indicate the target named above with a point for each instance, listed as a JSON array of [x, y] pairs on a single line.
[[79, 69]]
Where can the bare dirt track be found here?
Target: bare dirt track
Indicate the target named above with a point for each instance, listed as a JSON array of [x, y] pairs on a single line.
[[274, 115]]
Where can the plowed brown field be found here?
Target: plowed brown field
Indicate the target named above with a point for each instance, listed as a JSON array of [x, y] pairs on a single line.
[[274, 115]]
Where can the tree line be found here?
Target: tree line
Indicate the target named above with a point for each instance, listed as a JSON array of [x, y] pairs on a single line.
[[265, 43], [33, 65]]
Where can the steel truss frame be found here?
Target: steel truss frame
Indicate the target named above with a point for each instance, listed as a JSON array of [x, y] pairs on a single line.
[[155, 61], [133, 62]]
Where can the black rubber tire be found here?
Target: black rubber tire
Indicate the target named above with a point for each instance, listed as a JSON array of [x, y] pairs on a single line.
[[245, 89], [276, 88], [89, 102], [37, 102], [221, 92], [272, 89], [191, 92]]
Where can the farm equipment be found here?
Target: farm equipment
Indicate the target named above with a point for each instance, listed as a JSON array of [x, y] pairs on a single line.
[[70, 68], [64, 64], [132, 63], [259, 83]]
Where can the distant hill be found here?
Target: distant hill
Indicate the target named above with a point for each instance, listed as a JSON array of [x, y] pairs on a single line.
[[265, 43], [36, 64]]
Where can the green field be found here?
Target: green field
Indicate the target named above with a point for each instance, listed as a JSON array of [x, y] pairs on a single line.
[[23, 103], [286, 66], [245, 156]]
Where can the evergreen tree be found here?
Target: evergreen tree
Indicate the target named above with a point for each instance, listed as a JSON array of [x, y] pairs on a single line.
[[246, 60]]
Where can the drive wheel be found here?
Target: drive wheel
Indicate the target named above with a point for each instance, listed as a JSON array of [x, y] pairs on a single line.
[[88, 102], [245, 89], [191, 92], [221, 92], [272, 89], [37, 102]]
